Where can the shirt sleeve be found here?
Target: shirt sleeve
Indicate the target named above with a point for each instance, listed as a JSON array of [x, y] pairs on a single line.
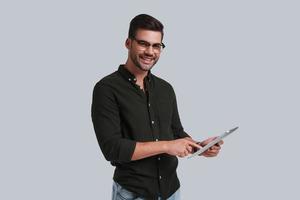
[[176, 123], [107, 126]]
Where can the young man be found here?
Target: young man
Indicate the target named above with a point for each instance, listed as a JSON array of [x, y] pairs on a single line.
[[136, 120]]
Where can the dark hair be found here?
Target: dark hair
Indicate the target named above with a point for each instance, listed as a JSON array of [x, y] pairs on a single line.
[[146, 22]]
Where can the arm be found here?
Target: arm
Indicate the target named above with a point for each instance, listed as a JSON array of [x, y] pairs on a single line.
[[180, 147], [106, 121], [147, 149]]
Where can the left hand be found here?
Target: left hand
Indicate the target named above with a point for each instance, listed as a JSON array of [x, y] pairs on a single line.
[[212, 151]]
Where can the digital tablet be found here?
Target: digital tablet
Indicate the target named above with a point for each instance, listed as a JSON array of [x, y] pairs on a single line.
[[212, 143]]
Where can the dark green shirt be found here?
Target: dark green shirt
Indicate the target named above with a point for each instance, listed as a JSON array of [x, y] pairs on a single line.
[[122, 115]]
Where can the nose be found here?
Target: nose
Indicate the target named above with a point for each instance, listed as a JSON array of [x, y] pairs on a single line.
[[149, 50]]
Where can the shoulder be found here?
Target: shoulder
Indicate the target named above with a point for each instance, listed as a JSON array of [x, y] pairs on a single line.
[[110, 82], [106, 85]]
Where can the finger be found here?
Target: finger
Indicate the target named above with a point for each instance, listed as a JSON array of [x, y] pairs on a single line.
[[219, 143], [209, 155], [213, 151], [205, 142], [190, 149], [213, 154], [193, 144], [183, 154], [215, 147], [186, 152]]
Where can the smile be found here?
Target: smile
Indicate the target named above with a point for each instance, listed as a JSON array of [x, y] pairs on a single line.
[[147, 60]]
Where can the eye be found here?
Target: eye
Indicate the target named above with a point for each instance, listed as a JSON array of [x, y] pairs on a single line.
[[157, 46], [143, 43]]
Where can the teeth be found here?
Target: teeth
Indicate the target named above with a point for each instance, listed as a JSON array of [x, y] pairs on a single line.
[[147, 59]]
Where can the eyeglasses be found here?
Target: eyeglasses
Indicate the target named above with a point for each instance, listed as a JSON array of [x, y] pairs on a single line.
[[143, 45]]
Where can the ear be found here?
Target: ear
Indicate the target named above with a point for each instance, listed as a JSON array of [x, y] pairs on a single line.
[[128, 43]]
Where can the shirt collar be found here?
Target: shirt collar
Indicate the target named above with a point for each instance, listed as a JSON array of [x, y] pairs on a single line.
[[129, 76]]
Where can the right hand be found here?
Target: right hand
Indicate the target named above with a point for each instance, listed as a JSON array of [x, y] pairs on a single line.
[[181, 147]]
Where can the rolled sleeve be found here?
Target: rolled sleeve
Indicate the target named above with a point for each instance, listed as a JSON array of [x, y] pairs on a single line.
[[106, 121]]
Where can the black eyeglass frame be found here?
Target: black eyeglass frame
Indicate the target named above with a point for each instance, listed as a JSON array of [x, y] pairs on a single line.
[[147, 44]]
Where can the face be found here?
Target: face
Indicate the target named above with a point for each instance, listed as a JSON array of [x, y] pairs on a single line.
[[141, 54]]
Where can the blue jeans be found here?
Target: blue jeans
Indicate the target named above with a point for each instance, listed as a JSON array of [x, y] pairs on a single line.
[[119, 193]]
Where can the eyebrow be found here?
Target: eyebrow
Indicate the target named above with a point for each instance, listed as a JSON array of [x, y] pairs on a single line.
[[150, 42]]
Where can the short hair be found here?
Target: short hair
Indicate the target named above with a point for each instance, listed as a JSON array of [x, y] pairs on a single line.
[[146, 22]]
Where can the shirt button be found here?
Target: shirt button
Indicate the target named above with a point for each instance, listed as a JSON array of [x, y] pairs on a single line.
[[152, 122], [159, 177], [134, 79], [149, 104], [158, 158], [129, 79], [156, 140]]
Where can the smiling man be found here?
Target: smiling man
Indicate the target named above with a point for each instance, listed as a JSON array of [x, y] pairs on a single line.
[[136, 120]]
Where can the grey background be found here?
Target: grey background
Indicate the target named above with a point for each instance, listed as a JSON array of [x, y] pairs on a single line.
[[230, 62]]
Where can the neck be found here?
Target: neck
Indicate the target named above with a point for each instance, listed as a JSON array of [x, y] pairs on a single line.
[[138, 73]]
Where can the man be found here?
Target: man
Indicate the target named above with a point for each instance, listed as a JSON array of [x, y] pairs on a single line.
[[136, 120]]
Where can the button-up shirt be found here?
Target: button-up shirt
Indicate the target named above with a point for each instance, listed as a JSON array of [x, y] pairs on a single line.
[[123, 114]]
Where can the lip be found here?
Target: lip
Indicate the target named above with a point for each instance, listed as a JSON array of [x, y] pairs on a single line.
[[146, 60]]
